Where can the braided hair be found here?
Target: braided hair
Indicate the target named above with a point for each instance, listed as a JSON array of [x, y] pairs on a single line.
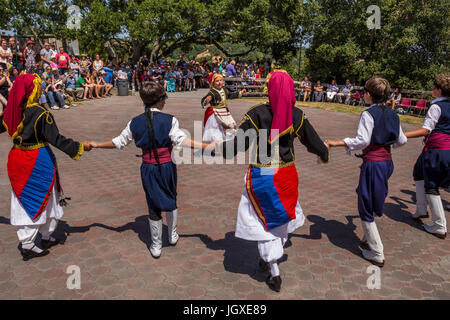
[[151, 94]]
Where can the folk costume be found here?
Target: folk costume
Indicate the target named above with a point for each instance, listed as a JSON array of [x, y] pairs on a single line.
[[36, 197], [269, 209], [156, 133], [218, 122], [379, 129], [432, 169]]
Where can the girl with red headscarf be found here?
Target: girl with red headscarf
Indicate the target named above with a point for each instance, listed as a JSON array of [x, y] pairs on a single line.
[[218, 121], [269, 208], [36, 198]]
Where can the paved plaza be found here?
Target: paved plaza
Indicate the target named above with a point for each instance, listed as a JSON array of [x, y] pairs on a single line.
[[106, 233]]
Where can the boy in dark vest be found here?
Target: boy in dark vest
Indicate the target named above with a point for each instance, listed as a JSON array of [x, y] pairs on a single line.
[[432, 169], [156, 133], [379, 128]]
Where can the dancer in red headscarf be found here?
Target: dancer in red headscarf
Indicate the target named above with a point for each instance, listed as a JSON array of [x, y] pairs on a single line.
[[36, 201], [269, 208], [218, 121]]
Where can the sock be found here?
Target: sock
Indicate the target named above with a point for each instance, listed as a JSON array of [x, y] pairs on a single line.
[[274, 270], [32, 247]]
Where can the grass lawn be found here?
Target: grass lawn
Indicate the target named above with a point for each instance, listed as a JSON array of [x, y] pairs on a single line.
[[338, 107]]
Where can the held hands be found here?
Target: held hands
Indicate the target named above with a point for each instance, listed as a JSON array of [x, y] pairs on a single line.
[[87, 146]]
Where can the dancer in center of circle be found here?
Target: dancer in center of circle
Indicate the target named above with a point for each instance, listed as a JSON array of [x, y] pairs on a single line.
[[269, 208], [218, 122]]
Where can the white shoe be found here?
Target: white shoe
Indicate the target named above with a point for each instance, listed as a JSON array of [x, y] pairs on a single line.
[[156, 234], [439, 226], [421, 201], [172, 218], [55, 108], [375, 254], [66, 106]]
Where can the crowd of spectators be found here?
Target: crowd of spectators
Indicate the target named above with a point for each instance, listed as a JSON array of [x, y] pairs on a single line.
[[71, 78]]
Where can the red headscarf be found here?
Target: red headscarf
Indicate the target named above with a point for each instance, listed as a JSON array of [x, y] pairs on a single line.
[[24, 93], [212, 77], [282, 100]]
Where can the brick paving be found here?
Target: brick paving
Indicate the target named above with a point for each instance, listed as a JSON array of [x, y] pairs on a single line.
[[105, 228]]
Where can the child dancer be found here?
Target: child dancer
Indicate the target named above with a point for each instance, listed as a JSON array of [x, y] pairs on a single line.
[[379, 128], [156, 133], [36, 197], [269, 208], [218, 121], [432, 170]]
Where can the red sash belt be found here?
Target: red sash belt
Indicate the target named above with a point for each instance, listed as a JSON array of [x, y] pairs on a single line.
[[164, 155], [376, 153], [437, 141]]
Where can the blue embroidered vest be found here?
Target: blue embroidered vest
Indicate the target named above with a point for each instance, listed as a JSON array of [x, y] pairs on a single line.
[[162, 124], [386, 125]]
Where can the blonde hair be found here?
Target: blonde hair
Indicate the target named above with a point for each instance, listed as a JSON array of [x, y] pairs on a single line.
[[379, 88], [443, 82]]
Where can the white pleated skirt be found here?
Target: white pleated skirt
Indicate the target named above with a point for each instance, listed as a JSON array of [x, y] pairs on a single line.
[[19, 216]]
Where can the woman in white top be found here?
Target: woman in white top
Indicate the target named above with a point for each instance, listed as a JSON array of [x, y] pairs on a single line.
[[98, 64]]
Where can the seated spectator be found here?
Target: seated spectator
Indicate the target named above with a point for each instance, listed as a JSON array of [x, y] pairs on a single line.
[[346, 91], [5, 87], [92, 80], [108, 86], [394, 99], [332, 90], [306, 88], [318, 91], [53, 63], [87, 87], [71, 86], [75, 67], [5, 53], [190, 80], [13, 73], [245, 77], [59, 88], [47, 73], [179, 79], [51, 94]]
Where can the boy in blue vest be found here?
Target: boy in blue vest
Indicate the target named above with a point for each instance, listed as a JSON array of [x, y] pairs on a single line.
[[156, 133], [432, 169], [379, 128]]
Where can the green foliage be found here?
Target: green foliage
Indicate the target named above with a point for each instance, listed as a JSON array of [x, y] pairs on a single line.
[[409, 49]]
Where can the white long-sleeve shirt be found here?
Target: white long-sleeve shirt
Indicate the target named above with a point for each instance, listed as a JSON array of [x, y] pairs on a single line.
[[364, 134], [176, 135], [433, 114]]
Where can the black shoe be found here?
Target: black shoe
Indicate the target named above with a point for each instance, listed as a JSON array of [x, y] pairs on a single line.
[[263, 266], [30, 254], [274, 283], [46, 244]]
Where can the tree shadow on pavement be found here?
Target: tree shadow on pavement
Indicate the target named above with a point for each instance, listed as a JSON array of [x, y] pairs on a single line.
[[240, 256], [340, 234]]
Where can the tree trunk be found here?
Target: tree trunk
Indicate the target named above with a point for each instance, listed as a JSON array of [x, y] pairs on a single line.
[[137, 49]]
